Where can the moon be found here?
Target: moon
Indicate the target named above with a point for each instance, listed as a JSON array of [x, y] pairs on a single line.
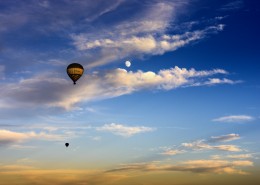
[[127, 63]]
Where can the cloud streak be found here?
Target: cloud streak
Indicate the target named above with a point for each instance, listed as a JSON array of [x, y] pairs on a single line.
[[204, 145], [234, 119], [122, 130], [240, 156], [51, 16], [201, 145], [194, 166], [233, 5], [8, 137], [224, 138], [171, 152]]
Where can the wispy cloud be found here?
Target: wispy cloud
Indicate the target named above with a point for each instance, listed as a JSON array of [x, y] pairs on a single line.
[[8, 137], [194, 166], [30, 175], [240, 156], [224, 138], [51, 16], [125, 131], [202, 145], [113, 48], [10, 168], [97, 85], [214, 81], [171, 152], [234, 119], [233, 5]]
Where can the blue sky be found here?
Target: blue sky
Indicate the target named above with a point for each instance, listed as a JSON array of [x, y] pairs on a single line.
[[188, 105]]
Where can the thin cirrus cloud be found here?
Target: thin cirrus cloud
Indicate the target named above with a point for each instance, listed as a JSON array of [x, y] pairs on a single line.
[[122, 130], [98, 85], [171, 152], [33, 175], [240, 156], [201, 145], [51, 16], [205, 144], [8, 137], [234, 119], [233, 5], [224, 138], [194, 166]]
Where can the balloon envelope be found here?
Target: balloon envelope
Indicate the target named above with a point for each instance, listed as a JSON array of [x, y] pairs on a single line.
[[67, 144], [75, 71]]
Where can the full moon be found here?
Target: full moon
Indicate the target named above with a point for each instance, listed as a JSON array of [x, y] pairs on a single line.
[[127, 63]]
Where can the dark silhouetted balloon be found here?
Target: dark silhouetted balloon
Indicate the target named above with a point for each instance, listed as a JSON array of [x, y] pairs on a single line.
[[75, 71], [67, 144]]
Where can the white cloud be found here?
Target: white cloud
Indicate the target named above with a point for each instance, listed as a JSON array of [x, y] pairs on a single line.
[[201, 145], [125, 131], [9, 137], [215, 157], [213, 81], [94, 86], [171, 152], [240, 156], [224, 138], [234, 118], [95, 138], [231, 148], [133, 45]]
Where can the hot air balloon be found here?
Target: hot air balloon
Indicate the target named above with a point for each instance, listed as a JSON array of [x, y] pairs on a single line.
[[67, 144], [75, 71]]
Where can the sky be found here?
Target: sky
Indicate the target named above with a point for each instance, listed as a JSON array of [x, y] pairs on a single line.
[[169, 94]]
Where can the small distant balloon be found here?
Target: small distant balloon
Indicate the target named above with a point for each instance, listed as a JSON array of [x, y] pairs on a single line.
[[127, 63], [67, 144], [75, 71]]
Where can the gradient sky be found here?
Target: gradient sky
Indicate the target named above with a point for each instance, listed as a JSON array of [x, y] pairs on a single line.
[[186, 111]]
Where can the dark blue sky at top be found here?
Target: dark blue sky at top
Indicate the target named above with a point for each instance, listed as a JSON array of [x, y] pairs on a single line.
[[235, 49]]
